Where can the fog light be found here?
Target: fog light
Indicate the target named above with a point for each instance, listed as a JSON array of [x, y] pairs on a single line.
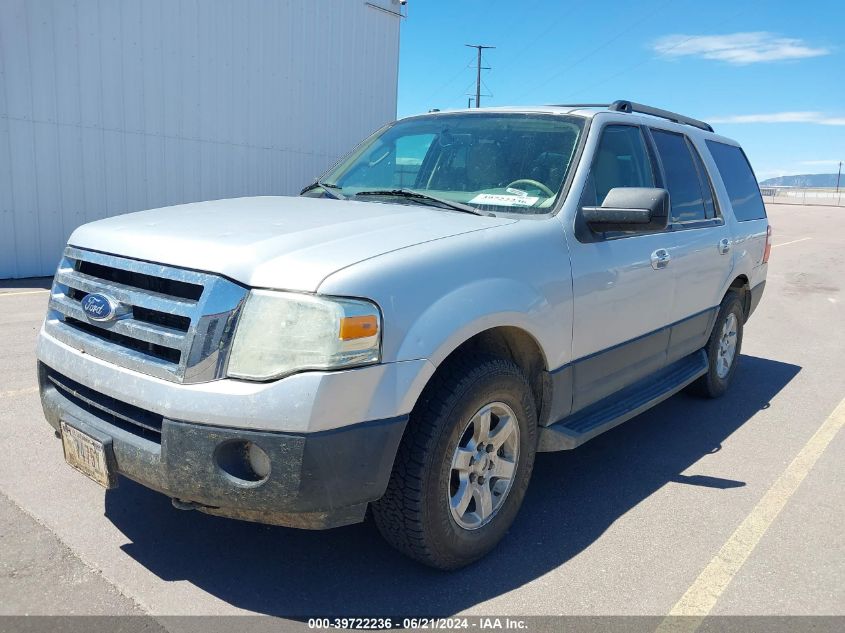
[[244, 462], [259, 460]]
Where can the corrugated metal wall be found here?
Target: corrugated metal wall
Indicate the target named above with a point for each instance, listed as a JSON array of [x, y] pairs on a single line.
[[121, 105]]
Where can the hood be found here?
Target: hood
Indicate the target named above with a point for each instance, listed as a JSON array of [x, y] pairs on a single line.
[[289, 243]]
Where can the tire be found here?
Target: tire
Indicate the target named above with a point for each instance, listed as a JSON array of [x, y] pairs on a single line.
[[415, 515], [731, 317]]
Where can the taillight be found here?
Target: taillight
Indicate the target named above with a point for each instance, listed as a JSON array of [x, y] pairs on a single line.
[[768, 244]]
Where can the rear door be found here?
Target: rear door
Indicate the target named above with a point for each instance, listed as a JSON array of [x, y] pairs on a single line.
[[700, 242]]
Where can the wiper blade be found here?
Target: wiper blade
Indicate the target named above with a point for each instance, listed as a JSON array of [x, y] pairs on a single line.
[[328, 187], [416, 195]]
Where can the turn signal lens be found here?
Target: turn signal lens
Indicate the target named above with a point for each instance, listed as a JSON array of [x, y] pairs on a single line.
[[768, 244], [358, 327]]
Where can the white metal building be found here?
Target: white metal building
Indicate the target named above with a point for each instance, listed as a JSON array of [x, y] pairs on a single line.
[[113, 106]]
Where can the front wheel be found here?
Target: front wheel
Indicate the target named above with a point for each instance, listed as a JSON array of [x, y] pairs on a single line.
[[463, 465], [723, 348]]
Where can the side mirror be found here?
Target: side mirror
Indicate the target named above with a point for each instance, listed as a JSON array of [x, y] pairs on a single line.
[[630, 209]]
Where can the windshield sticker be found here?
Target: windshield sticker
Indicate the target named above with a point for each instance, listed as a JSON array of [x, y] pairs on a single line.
[[502, 200]]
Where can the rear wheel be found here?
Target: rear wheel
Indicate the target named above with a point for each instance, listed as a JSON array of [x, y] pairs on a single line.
[[463, 465], [723, 348]]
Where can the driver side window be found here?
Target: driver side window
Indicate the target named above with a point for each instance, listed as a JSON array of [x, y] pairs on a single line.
[[621, 160]]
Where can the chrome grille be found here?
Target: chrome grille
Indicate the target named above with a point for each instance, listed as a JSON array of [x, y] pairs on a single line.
[[171, 323]]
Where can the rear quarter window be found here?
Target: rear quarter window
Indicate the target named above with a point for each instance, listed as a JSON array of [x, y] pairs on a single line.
[[739, 180]]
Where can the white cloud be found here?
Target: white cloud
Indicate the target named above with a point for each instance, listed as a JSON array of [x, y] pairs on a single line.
[[737, 48], [800, 167], [818, 118], [831, 161], [765, 174]]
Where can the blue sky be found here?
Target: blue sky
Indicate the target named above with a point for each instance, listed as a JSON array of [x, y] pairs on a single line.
[[770, 74]]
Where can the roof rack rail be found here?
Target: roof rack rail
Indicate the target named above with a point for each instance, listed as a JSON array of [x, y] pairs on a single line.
[[631, 106], [581, 105]]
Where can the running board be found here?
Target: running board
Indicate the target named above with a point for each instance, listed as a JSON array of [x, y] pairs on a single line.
[[606, 414]]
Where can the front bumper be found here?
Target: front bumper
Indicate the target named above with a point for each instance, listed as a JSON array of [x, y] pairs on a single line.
[[307, 402], [317, 480]]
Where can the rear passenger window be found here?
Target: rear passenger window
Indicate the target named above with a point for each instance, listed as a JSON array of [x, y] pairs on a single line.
[[681, 177], [739, 181], [621, 161]]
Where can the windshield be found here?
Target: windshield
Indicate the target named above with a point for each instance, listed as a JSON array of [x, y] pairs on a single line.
[[513, 163]]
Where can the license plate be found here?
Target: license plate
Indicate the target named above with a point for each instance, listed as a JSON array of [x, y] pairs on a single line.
[[86, 454]]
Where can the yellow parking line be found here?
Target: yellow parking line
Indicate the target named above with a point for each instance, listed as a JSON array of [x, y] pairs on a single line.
[[17, 392], [689, 612], [803, 239], [23, 292]]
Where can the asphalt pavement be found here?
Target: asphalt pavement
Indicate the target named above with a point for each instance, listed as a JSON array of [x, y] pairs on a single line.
[[735, 503]]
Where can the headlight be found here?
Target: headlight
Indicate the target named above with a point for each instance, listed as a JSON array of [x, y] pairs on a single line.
[[281, 332]]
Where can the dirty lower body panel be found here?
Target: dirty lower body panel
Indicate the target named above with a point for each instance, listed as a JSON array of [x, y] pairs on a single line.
[[314, 480]]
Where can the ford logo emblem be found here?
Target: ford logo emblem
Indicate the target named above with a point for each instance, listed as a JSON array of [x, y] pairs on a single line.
[[99, 307]]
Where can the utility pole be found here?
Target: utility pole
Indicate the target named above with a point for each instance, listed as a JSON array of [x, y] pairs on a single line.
[[478, 69], [838, 176]]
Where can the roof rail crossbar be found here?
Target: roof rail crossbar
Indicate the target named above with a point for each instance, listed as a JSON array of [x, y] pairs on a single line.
[[630, 106]]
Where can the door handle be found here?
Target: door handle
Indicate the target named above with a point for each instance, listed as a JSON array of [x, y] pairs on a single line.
[[724, 246], [660, 258]]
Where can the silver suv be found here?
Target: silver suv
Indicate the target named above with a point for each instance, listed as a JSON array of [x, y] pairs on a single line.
[[463, 290]]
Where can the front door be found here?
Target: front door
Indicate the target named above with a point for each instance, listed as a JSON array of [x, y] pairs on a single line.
[[623, 287]]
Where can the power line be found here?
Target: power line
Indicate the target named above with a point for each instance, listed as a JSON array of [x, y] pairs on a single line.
[[626, 70], [449, 82], [532, 41], [631, 26], [478, 67], [456, 101]]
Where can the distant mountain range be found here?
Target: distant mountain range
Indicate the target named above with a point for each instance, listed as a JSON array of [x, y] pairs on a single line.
[[803, 180]]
